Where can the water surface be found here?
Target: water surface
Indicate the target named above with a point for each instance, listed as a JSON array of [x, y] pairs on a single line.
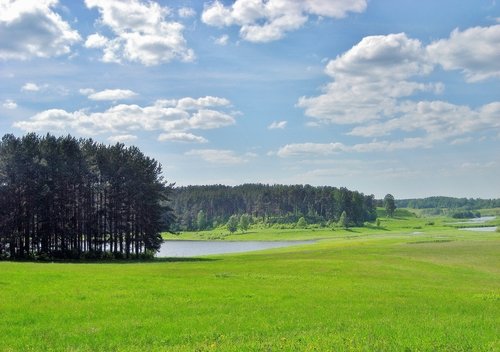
[[482, 229], [177, 248], [472, 221]]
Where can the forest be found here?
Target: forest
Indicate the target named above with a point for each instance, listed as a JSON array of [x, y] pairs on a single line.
[[269, 204], [62, 197], [448, 203]]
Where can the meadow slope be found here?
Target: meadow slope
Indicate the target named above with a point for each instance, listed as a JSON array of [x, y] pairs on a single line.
[[398, 289]]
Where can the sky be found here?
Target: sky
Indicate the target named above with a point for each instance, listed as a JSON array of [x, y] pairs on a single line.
[[379, 96]]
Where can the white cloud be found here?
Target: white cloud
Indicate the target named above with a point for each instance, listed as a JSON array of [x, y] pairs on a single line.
[[95, 41], [142, 33], [181, 137], [327, 149], [186, 12], [438, 119], [372, 87], [9, 104], [30, 87], [31, 28], [172, 117], [204, 102], [475, 51], [277, 125], [222, 40], [112, 94], [318, 149], [122, 138], [368, 80], [209, 119], [265, 21], [217, 156]]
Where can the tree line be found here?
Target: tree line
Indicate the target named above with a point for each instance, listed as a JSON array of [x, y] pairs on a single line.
[[62, 197], [206, 207], [448, 203]]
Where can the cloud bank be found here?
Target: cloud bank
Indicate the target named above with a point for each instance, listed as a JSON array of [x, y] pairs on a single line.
[[375, 83], [173, 118], [265, 21]]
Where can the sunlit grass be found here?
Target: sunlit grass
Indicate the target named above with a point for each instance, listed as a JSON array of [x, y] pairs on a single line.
[[393, 288]]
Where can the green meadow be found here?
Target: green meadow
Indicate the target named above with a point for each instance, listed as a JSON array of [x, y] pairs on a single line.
[[410, 284]]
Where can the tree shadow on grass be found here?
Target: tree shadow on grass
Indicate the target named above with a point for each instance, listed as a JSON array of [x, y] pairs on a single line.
[[117, 261]]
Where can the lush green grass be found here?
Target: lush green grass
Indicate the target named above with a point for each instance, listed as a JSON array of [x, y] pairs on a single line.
[[403, 222], [377, 289]]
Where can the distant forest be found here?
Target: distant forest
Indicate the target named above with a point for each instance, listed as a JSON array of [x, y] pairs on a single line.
[[448, 203], [206, 207], [75, 198]]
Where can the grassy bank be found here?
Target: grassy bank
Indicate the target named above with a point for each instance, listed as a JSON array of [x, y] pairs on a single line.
[[403, 286]]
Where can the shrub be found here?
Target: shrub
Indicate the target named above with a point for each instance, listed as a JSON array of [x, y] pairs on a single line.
[[301, 224]]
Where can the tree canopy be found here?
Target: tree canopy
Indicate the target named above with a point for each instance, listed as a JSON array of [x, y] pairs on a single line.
[[389, 204], [449, 203], [75, 198], [271, 204]]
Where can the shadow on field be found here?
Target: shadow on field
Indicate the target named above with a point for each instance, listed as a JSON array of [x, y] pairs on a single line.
[[115, 261]]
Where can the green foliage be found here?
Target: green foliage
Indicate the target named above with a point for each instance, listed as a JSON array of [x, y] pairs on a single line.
[[301, 223], [343, 221], [62, 197], [201, 220], [389, 204], [439, 203], [244, 222], [466, 215], [270, 204], [232, 223], [378, 222]]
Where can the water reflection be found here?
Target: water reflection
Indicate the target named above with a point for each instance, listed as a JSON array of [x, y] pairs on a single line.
[[196, 248]]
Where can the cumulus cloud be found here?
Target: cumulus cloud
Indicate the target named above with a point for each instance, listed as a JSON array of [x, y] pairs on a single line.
[[30, 87], [111, 94], [200, 103], [141, 31], [9, 104], [96, 41], [438, 120], [218, 156], [265, 21], [30, 28], [277, 125], [374, 85], [475, 52], [181, 137], [319, 149], [368, 80], [174, 118]]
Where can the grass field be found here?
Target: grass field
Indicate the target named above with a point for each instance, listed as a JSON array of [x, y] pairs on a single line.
[[407, 286]]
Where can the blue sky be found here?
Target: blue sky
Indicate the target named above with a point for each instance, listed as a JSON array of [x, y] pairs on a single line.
[[380, 96]]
